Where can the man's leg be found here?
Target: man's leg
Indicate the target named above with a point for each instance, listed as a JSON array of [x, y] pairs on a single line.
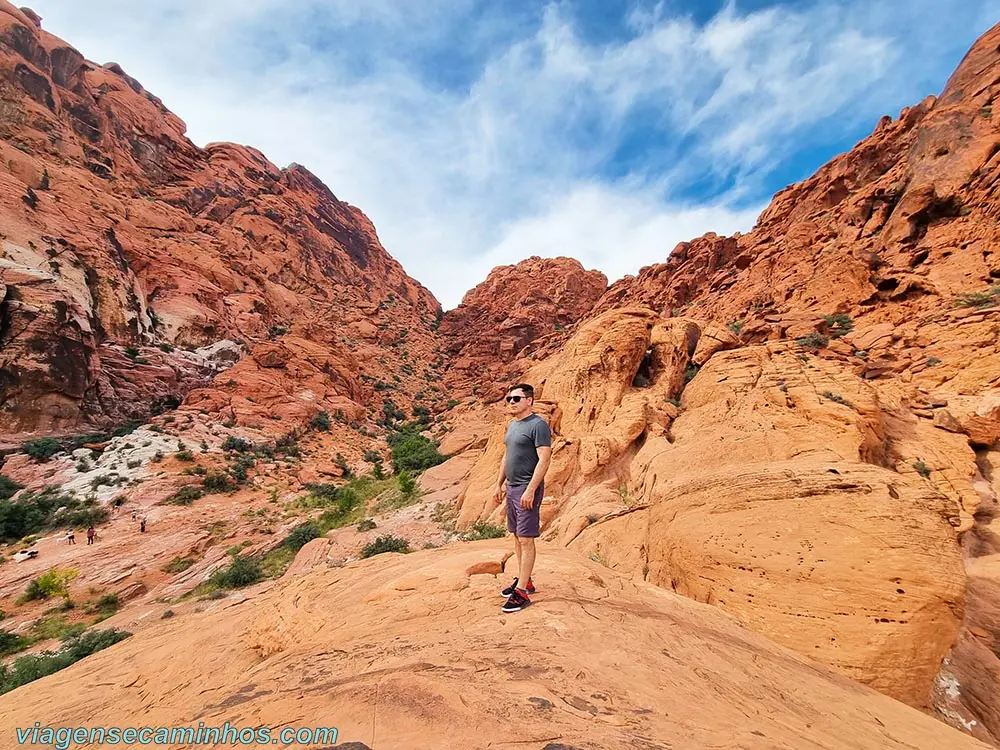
[[525, 561], [517, 551]]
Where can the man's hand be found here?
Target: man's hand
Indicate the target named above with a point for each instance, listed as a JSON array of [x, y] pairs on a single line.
[[528, 497], [499, 493]]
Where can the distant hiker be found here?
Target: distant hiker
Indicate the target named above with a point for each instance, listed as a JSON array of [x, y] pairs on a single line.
[[91, 533], [135, 514], [71, 537], [526, 458], [142, 525]]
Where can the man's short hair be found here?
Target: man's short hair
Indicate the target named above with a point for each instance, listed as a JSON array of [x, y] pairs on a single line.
[[526, 389]]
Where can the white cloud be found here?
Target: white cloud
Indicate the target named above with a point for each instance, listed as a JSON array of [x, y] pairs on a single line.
[[517, 157]]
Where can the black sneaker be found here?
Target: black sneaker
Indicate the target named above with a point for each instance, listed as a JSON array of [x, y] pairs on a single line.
[[516, 602], [510, 589]]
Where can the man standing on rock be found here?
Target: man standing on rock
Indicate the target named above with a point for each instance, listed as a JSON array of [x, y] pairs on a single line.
[[526, 459]]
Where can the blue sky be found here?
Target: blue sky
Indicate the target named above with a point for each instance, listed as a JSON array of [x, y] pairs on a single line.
[[476, 134]]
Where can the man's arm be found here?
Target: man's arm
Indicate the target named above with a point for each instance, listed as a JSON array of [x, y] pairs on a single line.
[[498, 492], [537, 476]]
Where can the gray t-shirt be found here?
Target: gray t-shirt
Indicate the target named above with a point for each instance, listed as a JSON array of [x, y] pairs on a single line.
[[523, 437]]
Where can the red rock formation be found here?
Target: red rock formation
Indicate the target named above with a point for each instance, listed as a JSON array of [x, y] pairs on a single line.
[[517, 309], [123, 244], [862, 355]]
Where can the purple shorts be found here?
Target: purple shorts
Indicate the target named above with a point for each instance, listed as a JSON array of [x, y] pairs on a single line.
[[521, 522]]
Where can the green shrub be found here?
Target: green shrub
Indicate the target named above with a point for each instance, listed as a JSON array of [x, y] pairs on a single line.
[[340, 514], [838, 325], [413, 452], [321, 421], [46, 628], [932, 362], [178, 565], [41, 449], [922, 469], [185, 495], [813, 341], [184, 455], [837, 398], [301, 535], [978, 299], [106, 606], [341, 463], [320, 495], [28, 668], [367, 525], [736, 326], [11, 643], [34, 512], [217, 481], [8, 487], [131, 352], [53, 582], [385, 544], [373, 456], [690, 372], [239, 468], [451, 404], [483, 530], [407, 484], [236, 444], [242, 571]]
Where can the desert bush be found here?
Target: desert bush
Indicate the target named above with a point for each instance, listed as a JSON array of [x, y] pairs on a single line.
[[407, 484], [178, 565], [41, 449], [813, 341], [367, 525], [385, 544], [301, 535], [922, 469], [241, 572], [483, 530], [33, 512], [185, 495], [31, 667], [321, 421], [341, 463], [411, 451], [104, 607], [236, 444], [53, 582], [838, 324], [11, 643], [8, 487], [837, 398], [216, 481]]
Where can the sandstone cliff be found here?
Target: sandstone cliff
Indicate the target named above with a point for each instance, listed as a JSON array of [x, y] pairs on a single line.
[[129, 255], [514, 311]]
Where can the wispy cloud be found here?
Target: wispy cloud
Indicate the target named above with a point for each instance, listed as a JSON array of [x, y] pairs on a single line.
[[474, 134]]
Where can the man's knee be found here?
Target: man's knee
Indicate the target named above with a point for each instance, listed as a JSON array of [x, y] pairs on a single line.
[[526, 542]]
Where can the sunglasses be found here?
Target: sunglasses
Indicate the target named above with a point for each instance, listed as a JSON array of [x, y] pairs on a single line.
[[514, 399]]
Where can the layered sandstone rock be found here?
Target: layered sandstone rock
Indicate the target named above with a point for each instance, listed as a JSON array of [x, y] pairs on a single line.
[[408, 651], [515, 310], [776, 491], [119, 236]]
